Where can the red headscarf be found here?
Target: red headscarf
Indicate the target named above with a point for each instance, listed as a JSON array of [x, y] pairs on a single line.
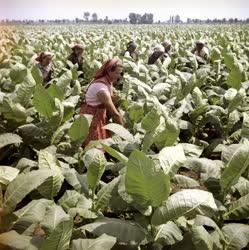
[[78, 46], [43, 55], [106, 67]]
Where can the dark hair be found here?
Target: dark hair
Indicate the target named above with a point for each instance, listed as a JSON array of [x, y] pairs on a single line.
[[131, 44]]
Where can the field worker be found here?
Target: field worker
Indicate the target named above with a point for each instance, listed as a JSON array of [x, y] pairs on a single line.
[[44, 60], [77, 56], [99, 99], [131, 51], [167, 46], [158, 54], [200, 50]]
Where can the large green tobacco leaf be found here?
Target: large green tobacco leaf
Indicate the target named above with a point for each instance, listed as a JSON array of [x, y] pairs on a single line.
[[69, 199], [150, 121], [105, 193], [22, 185], [242, 186], [52, 186], [120, 131], [7, 174], [238, 209], [95, 162], [237, 164], [60, 237], [189, 202], [171, 159], [43, 102], [13, 240], [18, 73], [104, 242], [79, 129], [54, 215], [64, 81], [144, 182], [125, 231], [33, 211], [13, 111], [168, 233], [185, 181], [237, 236], [201, 238], [9, 138]]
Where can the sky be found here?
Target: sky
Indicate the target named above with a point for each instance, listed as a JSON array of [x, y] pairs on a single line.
[[162, 9]]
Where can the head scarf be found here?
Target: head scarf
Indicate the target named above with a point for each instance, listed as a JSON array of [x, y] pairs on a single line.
[[159, 47], [131, 44], [43, 55], [106, 67], [203, 42], [167, 43], [78, 46]]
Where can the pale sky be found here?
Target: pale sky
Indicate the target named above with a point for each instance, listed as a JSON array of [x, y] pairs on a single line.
[[162, 9]]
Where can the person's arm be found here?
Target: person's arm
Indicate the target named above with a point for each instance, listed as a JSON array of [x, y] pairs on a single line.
[[106, 99]]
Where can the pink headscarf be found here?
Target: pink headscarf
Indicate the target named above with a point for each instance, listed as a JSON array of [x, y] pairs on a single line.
[[106, 67], [43, 55]]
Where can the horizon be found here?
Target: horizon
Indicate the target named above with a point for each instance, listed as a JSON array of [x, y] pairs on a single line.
[[161, 9]]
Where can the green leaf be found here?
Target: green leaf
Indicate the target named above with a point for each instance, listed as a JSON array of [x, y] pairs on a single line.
[[7, 174], [114, 153], [201, 238], [144, 182], [54, 215], [238, 209], [69, 199], [105, 194], [238, 163], [125, 231], [120, 131], [34, 211], [95, 162], [242, 186], [169, 134], [64, 81], [52, 186], [37, 75], [171, 159], [168, 233], [8, 138], [189, 202], [25, 90], [79, 129], [13, 240], [151, 121], [185, 181], [18, 73], [55, 92], [234, 78], [22, 185], [43, 102], [104, 242], [237, 236], [59, 239], [13, 111]]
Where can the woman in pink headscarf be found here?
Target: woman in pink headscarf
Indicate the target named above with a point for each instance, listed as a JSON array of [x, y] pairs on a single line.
[[44, 64], [99, 99]]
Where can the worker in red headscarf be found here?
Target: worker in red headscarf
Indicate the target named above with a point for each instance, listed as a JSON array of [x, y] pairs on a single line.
[[76, 57], [44, 64], [99, 99]]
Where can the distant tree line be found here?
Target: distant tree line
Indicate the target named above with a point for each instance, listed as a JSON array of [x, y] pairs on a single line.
[[133, 18]]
